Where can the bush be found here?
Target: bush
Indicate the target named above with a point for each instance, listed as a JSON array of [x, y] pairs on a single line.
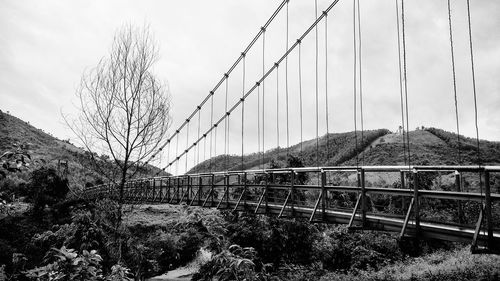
[[233, 263], [275, 240], [341, 250], [46, 188]]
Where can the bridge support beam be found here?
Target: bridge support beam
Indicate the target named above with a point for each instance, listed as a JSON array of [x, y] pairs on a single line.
[[487, 209], [363, 198], [292, 191], [323, 195], [458, 187], [416, 203]]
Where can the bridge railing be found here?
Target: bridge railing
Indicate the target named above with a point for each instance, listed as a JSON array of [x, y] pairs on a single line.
[[454, 203]]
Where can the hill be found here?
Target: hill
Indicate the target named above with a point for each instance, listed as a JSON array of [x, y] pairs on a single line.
[[47, 150], [429, 146]]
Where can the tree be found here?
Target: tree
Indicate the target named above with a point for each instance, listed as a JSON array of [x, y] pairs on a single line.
[[124, 107]]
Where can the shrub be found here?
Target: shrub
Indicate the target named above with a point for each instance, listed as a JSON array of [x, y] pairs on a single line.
[[46, 188], [340, 250]]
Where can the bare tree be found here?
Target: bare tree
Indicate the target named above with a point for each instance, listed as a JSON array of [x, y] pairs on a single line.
[[124, 108]]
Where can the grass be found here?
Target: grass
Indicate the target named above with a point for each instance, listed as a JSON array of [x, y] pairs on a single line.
[[454, 265]]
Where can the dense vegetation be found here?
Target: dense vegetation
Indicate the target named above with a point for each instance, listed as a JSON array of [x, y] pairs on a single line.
[[45, 237]]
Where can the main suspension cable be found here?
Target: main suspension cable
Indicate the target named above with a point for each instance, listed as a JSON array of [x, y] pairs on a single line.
[[266, 74], [233, 66], [459, 159]]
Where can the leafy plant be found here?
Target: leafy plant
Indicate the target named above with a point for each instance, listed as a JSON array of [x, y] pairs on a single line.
[[119, 273], [233, 263]]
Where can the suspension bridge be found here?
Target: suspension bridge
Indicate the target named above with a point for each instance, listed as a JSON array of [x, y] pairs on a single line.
[[448, 202]]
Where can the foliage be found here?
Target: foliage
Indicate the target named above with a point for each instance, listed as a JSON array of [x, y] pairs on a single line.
[[276, 240], [490, 151], [46, 188], [455, 265], [341, 148], [17, 159], [119, 273], [233, 263], [68, 265], [338, 249]]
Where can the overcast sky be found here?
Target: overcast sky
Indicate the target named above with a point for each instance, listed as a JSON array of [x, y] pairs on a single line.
[[45, 46]]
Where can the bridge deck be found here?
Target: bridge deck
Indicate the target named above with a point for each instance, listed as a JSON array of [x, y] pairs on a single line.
[[269, 196]]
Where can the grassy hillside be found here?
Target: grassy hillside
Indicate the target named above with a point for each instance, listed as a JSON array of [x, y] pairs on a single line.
[[334, 149], [47, 150], [429, 146]]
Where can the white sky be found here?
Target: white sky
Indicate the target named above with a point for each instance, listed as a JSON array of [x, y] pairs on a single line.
[[45, 46]]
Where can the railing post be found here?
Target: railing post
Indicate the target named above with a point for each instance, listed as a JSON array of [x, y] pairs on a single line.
[[416, 202], [323, 195], [292, 192], [188, 189], [487, 208], [161, 190], [154, 190], [227, 190], [178, 180], [403, 186], [244, 191], [266, 193], [458, 187], [144, 193], [168, 189], [200, 190], [363, 198], [212, 190]]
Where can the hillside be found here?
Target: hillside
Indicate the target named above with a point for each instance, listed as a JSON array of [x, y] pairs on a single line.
[[47, 150], [379, 147]]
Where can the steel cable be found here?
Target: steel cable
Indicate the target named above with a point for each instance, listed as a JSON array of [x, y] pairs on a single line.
[[473, 72], [266, 74], [233, 66], [316, 83], [405, 80], [401, 83], [360, 84], [454, 82], [355, 82]]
